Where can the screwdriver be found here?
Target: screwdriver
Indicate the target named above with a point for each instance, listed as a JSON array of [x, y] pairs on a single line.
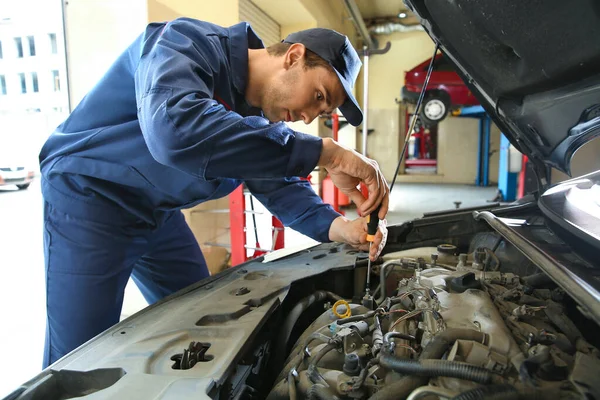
[[373, 218], [372, 224]]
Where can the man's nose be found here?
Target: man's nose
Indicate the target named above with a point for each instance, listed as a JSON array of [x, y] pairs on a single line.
[[309, 116]]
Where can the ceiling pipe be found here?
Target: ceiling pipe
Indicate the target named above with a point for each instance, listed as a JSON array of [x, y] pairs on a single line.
[[359, 22], [391, 27]]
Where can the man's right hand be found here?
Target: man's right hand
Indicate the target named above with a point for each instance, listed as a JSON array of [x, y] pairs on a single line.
[[348, 169]]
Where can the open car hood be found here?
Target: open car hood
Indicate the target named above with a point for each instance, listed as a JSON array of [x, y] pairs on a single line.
[[533, 65]]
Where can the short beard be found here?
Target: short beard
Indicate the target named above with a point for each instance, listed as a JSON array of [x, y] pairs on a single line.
[[279, 92]]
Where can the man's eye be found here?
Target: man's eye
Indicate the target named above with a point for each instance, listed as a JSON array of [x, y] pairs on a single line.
[[319, 96]]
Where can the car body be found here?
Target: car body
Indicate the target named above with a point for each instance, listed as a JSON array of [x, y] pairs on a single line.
[[19, 176], [498, 299], [445, 91]]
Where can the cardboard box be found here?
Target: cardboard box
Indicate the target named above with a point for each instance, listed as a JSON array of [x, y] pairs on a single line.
[[209, 223]]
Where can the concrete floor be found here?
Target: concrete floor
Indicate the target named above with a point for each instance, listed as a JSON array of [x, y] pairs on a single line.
[[22, 293]]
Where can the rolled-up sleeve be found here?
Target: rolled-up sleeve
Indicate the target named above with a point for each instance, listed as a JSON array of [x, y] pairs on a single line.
[[296, 204], [186, 129]]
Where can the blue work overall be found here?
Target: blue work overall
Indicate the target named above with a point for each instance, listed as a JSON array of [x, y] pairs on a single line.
[[148, 140]]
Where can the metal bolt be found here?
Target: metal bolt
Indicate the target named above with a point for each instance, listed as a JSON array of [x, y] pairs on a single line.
[[434, 258], [242, 291]]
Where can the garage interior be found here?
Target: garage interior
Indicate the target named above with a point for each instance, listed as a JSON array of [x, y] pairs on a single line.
[[461, 162]]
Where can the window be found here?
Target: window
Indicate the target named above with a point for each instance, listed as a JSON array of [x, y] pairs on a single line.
[[443, 64], [56, 80], [53, 47], [34, 80], [23, 83], [1, 50], [31, 41], [2, 85], [19, 44]]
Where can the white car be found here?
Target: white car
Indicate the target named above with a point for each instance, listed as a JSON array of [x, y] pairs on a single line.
[[16, 175]]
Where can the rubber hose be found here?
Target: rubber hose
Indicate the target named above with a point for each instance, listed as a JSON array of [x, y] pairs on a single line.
[[326, 349], [363, 374], [377, 337], [319, 392], [489, 392], [539, 280], [355, 318], [401, 389], [294, 315], [296, 361], [292, 392], [506, 392], [313, 371], [433, 368], [434, 350]]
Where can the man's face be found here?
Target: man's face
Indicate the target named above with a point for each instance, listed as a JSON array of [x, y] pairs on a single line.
[[302, 94]]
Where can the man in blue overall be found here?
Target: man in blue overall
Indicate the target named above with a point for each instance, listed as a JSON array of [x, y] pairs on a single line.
[[186, 114]]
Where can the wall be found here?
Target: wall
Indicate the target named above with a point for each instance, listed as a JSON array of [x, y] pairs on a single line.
[[97, 32], [458, 137], [386, 78], [222, 12]]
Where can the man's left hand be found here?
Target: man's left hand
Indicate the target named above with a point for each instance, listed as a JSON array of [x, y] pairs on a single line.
[[354, 233]]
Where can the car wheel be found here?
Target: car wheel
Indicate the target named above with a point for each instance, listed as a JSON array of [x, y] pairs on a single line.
[[435, 108], [23, 187]]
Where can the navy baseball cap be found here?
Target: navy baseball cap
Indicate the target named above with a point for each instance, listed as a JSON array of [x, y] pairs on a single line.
[[337, 50]]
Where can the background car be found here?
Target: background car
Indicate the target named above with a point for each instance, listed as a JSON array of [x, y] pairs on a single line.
[[16, 175], [445, 91]]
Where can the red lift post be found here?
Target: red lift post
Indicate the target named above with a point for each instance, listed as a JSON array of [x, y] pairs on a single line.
[[237, 219]]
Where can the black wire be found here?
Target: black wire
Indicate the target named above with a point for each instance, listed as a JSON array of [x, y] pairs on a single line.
[[254, 220], [437, 45]]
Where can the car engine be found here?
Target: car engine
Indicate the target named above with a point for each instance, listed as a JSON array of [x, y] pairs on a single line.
[[441, 325]]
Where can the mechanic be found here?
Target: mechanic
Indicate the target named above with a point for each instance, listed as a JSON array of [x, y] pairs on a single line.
[[187, 113]]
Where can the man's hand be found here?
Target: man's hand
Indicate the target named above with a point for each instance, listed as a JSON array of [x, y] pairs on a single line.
[[354, 233], [348, 169]]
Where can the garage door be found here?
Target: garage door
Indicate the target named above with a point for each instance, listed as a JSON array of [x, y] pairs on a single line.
[[267, 28]]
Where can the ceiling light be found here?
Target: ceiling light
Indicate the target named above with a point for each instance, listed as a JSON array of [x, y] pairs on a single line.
[[402, 15]]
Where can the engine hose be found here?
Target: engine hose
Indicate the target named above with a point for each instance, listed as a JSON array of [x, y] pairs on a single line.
[[506, 392], [390, 335], [355, 318], [433, 368], [292, 319], [292, 392], [490, 392], [434, 350], [313, 371], [377, 337], [363, 374], [320, 392], [539, 280]]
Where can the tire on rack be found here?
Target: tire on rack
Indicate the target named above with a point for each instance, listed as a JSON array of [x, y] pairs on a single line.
[[436, 105]]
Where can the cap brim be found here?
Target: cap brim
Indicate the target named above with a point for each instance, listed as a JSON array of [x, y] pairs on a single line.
[[350, 109]]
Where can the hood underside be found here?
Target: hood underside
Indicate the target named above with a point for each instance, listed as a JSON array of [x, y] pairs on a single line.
[[534, 66]]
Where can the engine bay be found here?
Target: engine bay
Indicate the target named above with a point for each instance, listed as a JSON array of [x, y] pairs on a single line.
[[443, 324], [461, 307]]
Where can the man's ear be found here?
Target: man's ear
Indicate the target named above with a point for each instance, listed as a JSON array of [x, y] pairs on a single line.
[[294, 55]]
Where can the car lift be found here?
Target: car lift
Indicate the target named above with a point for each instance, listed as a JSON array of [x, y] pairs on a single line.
[[507, 181], [238, 229], [483, 153]]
